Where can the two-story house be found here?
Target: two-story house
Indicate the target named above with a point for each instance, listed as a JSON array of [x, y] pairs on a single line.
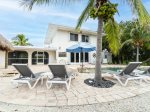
[[62, 37], [57, 40]]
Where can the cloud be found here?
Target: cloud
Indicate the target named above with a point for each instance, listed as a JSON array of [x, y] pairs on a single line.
[[10, 5], [47, 12]]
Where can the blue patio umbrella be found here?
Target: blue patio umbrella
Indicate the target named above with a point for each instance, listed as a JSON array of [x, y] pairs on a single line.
[[81, 47]]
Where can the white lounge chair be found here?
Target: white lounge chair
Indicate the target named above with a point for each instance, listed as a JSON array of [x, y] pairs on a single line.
[[60, 76], [146, 72], [26, 76], [143, 73], [127, 74]]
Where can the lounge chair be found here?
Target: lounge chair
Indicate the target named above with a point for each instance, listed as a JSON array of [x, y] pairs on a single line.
[[143, 73], [26, 76], [147, 72], [127, 74], [60, 76]]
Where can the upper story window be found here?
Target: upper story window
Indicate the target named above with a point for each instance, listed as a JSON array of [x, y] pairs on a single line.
[[85, 38], [73, 37]]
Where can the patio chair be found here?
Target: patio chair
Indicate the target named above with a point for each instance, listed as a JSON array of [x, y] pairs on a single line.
[[143, 73], [146, 72], [60, 76], [26, 76], [127, 74]]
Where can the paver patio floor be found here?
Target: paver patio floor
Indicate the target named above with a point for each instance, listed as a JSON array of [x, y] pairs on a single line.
[[78, 94]]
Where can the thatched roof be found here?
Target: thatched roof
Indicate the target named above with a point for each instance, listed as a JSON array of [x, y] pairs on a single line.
[[5, 45]]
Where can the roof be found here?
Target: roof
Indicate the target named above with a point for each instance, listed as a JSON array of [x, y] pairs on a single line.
[[72, 29], [5, 45], [34, 48], [53, 28]]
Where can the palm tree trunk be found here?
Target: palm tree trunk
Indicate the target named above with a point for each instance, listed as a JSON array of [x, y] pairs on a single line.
[[98, 76], [137, 54]]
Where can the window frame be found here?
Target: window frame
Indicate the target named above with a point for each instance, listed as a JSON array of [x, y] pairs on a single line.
[[76, 37], [63, 55], [86, 37]]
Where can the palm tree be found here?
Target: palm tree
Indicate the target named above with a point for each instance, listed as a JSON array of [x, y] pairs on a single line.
[[139, 36], [20, 40], [110, 26]]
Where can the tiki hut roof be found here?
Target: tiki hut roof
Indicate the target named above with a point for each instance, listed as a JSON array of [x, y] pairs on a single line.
[[5, 45]]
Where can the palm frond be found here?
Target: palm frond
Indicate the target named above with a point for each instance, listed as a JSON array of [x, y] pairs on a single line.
[[85, 14], [126, 42], [140, 11], [112, 35], [147, 45]]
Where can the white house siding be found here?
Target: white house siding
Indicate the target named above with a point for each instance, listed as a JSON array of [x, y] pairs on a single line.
[[61, 41], [93, 42], [52, 57], [2, 59]]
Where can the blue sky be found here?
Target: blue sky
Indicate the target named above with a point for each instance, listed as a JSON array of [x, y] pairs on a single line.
[[15, 19]]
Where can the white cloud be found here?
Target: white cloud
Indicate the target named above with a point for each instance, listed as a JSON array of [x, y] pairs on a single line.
[[9, 5]]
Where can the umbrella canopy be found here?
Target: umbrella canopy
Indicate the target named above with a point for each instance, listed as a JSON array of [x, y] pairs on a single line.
[[81, 47]]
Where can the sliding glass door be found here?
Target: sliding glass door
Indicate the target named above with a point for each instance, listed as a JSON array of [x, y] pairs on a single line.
[[79, 57]]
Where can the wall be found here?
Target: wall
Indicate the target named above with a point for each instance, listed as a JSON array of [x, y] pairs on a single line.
[[2, 59], [52, 55], [61, 41]]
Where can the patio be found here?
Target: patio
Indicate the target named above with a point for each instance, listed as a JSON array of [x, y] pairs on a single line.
[[79, 93]]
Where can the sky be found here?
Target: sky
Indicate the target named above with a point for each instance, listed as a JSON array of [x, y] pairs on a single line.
[[16, 19]]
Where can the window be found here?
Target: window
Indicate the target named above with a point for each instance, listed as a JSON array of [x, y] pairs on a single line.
[[73, 37], [72, 57], [79, 57], [85, 38], [62, 54], [86, 57], [17, 57], [40, 58]]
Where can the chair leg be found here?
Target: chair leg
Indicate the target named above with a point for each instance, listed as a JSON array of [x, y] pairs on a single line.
[[136, 81], [68, 83], [42, 81], [67, 86], [126, 82], [48, 85], [121, 81], [30, 86]]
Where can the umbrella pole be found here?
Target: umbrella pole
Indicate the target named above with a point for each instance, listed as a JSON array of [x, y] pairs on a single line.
[[82, 66], [82, 60]]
